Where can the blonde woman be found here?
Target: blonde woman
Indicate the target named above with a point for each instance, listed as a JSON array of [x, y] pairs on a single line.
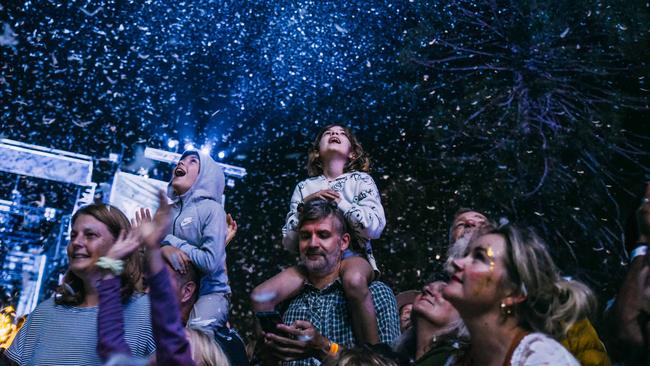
[[205, 351], [513, 301]]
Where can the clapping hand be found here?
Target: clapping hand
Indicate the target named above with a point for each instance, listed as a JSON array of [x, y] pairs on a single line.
[[126, 243], [154, 229]]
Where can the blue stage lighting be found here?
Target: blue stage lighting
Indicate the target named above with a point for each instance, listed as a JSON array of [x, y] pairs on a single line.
[[221, 154], [206, 149], [189, 146]]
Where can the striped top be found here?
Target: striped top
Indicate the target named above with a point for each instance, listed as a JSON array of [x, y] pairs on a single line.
[[62, 335]]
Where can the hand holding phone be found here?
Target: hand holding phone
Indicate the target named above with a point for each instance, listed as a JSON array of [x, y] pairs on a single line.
[[269, 320]]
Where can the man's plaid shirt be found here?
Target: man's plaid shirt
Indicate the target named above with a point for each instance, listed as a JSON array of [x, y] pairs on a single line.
[[327, 310]]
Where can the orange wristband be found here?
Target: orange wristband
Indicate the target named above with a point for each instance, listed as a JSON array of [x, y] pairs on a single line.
[[334, 348]]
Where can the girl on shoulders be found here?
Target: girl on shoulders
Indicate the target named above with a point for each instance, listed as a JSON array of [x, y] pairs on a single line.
[[338, 168]]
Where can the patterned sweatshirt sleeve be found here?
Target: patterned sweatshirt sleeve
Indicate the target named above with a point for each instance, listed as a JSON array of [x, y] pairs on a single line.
[[289, 233], [365, 214]]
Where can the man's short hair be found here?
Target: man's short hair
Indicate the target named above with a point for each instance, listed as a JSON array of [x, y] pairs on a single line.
[[319, 209], [191, 275]]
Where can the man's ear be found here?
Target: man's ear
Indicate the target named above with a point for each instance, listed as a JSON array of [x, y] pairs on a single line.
[[187, 291], [345, 241]]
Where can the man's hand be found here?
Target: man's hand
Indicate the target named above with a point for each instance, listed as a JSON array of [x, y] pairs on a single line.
[[177, 258], [327, 194], [306, 342]]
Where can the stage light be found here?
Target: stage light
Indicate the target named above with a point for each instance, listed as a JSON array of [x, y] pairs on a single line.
[[206, 149], [172, 143], [189, 146], [114, 158], [221, 154], [49, 214], [143, 172]]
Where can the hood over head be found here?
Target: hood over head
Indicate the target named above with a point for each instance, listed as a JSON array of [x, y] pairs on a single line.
[[209, 183]]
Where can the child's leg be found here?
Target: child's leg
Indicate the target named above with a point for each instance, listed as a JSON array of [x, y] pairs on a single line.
[[357, 275], [277, 289], [210, 311]]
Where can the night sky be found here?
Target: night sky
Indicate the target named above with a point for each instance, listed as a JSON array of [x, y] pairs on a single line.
[[535, 111]]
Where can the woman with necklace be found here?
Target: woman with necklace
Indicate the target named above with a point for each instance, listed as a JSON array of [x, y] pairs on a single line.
[[513, 301]]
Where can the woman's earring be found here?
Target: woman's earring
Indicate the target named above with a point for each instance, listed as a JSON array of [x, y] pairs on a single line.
[[506, 310]]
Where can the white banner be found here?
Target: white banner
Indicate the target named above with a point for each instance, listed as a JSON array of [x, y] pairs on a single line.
[[37, 161], [131, 192]]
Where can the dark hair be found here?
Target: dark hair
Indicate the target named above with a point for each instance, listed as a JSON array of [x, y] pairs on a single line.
[[187, 153], [191, 275], [318, 209], [72, 291], [358, 163]]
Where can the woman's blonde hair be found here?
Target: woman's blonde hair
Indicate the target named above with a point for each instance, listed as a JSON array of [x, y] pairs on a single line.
[[205, 350], [359, 162], [72, 291], [552, 304]]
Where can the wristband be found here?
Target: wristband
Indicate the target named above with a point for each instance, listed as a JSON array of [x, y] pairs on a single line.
[[115, 266], [333, 348], [641, 249]]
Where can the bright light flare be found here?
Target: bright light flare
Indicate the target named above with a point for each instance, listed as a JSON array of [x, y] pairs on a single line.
[[172, 143], [8, 329]]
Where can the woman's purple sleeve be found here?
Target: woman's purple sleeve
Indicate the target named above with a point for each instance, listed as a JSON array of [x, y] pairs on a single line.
[[110, 320], [172, 347]]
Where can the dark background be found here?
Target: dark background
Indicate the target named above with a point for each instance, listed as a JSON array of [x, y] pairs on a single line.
[[531, 110]]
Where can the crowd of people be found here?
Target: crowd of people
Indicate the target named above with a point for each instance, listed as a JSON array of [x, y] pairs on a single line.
[[155, 289]]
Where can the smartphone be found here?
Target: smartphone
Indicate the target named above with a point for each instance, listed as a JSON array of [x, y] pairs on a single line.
[[269, 320]]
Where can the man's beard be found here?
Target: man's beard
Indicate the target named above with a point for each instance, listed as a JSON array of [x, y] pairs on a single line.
[[325, 263], [457, 250]]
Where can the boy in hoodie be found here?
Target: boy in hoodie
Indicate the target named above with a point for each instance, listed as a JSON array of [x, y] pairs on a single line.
[[198, 234]]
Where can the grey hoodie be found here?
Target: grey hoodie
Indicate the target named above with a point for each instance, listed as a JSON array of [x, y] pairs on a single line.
[[199, 225]]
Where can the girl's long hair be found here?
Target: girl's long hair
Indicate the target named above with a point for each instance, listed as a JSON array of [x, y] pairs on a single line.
[[359, 162]]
